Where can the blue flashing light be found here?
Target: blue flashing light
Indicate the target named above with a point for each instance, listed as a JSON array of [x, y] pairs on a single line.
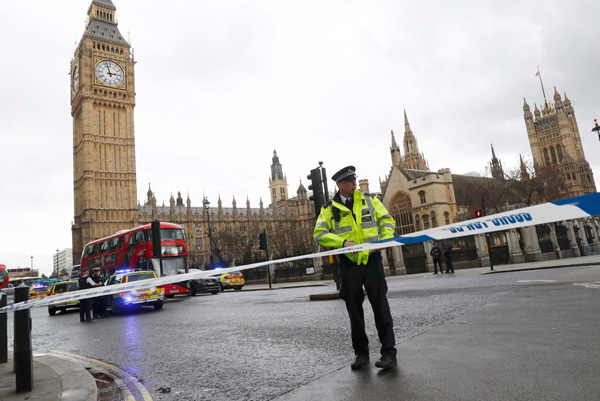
[[123, 271], [217, 268], [128, 299]]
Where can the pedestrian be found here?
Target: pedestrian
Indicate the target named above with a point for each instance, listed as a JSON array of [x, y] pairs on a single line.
[[85, 282], [98, 307], [448, 256], [436, 255], [351, 218]]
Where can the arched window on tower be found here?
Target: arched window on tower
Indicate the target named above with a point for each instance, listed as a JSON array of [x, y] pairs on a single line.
[[433, 219], [422, 197], [447, 217], [418, 222], [553, 153], [546, 156], [426, 222], [560, 152]]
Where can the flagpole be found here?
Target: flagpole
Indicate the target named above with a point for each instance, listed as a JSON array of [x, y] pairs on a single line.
[[540, 75]]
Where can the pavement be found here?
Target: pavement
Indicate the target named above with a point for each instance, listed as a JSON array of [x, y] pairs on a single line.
[[433, 363]]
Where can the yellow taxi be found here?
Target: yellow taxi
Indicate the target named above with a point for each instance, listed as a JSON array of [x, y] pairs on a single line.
[[61, 288], [233, 280]]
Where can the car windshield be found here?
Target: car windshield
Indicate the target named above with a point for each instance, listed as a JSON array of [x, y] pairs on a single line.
[[64, 287], [140, 276]]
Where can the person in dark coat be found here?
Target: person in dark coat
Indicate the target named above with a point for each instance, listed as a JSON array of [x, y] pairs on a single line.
[[85, 282], [448, 256], [98, 307], [436, 255]]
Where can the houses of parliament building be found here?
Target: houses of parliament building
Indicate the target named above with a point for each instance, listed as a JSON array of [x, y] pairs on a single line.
[[105, 184]]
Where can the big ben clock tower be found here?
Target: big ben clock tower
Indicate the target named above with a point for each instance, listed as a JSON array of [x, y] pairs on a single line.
[[102, 102]]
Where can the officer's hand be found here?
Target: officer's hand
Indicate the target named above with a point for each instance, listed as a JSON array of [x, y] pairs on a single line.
[[349, 243]]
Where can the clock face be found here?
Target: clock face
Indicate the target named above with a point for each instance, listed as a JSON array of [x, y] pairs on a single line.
[[110, 73], [75, 78]]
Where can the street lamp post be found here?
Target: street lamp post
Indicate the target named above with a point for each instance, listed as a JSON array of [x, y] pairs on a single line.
[[31, 263], [206, 204], [596, 129], [56, 276]]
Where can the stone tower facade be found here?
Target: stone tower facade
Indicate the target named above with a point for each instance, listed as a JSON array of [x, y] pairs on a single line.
[[555, 141], [102, 103], [277, 181]]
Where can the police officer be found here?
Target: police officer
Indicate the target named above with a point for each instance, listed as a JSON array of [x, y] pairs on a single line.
[[436, 255], [85, 282], [98, 307], [351, 218]]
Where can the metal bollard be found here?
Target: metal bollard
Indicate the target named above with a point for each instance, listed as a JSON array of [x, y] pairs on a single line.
[[3, 331], [23, 353]]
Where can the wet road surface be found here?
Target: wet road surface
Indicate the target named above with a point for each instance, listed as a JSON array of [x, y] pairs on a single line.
[[257, 345]]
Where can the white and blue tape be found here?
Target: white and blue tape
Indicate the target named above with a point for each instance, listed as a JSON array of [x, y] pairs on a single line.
[[567, 209]]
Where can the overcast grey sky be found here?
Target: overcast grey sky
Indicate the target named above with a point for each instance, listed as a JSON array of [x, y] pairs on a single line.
[[221, 84]]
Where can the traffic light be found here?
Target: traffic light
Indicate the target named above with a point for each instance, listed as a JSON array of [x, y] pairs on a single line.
[[262, 241], [156, 246], [478, 213], [317, 189]]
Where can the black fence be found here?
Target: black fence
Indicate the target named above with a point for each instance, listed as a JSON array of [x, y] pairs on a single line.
[[562, 237], [544, 238], [415, 259], [290, 271], [499, 255], [464, 255], [260, 273], [416, 264]]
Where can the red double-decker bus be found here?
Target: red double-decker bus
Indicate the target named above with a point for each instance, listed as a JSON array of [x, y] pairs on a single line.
[[132, 250], [3, 276]]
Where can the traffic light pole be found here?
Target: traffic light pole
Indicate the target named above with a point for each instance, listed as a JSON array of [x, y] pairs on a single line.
[[262, 244], [324, 181], [487, 237]]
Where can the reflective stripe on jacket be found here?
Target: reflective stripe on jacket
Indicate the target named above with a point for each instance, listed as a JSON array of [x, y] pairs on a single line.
[[373, 222]]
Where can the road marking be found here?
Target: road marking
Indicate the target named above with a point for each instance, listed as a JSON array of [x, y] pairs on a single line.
[[589, 285], [121, 383], [536, 281]]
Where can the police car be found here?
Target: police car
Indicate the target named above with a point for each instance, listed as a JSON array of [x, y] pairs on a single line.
[[233, 280], [145, 296], [61, 288]]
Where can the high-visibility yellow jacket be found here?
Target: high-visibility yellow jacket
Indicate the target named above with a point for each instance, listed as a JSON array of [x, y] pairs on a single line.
[[371, 222]]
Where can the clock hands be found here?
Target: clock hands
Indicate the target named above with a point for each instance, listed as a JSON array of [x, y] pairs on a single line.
[[108, 68]]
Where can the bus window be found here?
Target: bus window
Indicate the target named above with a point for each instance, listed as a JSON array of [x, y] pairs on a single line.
[[170, 234], [104, 247], [96, 249], [142, 236]]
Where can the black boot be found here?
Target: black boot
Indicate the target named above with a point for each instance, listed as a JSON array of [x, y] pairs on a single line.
[[387, 361], [361, 361]]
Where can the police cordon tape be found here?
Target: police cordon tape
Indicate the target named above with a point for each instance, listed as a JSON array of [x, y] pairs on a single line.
[[567, 209]]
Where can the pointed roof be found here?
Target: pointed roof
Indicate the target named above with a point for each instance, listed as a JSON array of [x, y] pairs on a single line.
[[556, 95], [394, 144], [105, 3], [406, 124], [99, 29]]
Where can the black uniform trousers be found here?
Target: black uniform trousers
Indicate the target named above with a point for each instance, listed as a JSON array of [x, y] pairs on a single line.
[[84, 310], [372, 277], [437, 262], [449, 266]]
